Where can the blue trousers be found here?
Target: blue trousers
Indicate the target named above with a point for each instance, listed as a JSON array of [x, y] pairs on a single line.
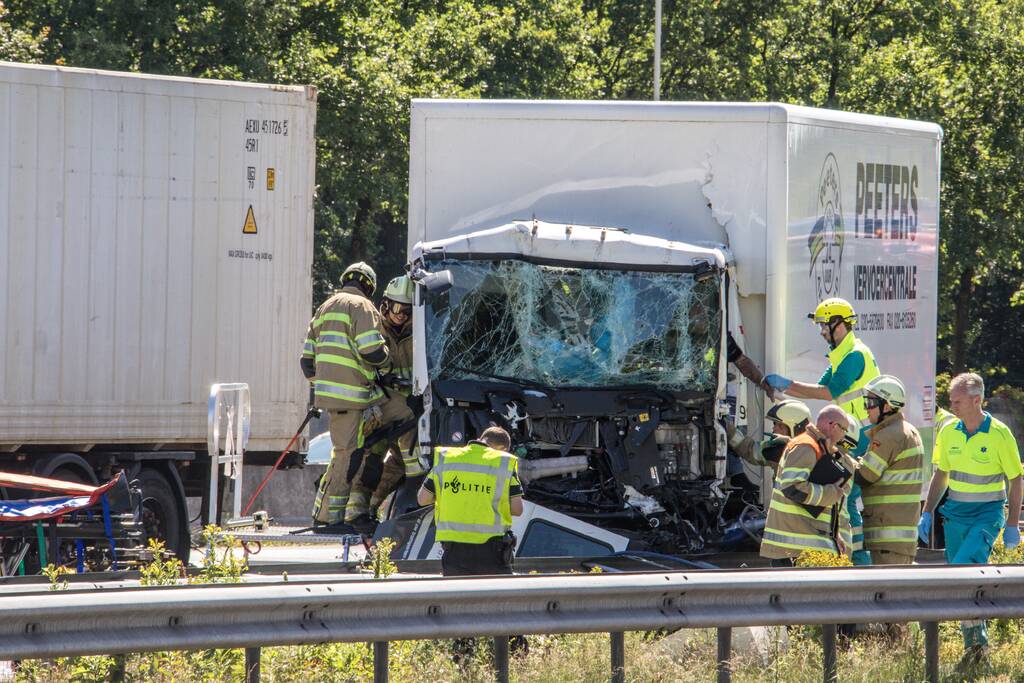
[[971, 543]]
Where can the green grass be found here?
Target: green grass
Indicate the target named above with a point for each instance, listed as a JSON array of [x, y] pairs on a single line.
[[556, 659], [650, 656]]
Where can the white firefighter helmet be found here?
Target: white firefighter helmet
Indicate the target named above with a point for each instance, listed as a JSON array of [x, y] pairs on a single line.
[[361, 272], [400, 290], [794, 414], [889, 389]]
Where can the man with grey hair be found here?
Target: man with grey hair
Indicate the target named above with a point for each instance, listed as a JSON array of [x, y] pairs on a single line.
[[976, 458], [802, 510]]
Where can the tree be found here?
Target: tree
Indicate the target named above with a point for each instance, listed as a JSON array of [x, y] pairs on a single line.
[[20, 44]]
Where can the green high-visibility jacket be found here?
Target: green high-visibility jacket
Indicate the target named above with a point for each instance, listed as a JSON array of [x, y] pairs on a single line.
[[471, 488]]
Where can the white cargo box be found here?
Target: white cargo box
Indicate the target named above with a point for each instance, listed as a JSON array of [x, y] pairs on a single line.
[[156, 236], [812, 204]]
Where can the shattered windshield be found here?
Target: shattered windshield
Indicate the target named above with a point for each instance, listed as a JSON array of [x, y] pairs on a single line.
[[574, 327]]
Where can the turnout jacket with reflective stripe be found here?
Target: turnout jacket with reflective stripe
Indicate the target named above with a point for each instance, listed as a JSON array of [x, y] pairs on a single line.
[[471, 488], [345, 340], [791, 528], [891, 478]]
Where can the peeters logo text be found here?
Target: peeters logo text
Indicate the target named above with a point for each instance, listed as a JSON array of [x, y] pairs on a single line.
[[826, 239]]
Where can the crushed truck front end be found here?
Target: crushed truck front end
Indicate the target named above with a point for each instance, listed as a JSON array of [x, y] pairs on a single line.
[[601, 352]]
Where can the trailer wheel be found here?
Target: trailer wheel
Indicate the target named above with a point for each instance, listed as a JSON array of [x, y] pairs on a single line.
[[160, 518]]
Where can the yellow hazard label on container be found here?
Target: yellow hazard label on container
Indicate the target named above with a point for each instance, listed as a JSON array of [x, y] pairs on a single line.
[[249, 227], [644, 417], [270, 179]]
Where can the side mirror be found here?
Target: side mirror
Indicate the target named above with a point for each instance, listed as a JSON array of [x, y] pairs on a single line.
[[436, 283]]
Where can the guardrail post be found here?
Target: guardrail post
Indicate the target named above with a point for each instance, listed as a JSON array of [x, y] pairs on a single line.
[[252, 665], [116, 673], [828, 653], [931, 651], [618, 645], [501, 659], [380, 662], [724, 654]]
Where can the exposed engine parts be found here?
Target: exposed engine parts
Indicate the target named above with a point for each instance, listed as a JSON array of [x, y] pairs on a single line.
[[649, 466]]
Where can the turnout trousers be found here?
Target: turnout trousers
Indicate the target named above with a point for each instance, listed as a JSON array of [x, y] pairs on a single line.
[[393, 409]]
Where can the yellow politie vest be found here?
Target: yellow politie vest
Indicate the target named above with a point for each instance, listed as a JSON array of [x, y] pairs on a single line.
[[853, 400], [471, 487]]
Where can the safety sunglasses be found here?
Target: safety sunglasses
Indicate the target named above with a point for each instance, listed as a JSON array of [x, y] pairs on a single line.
[[872, 401], [397, 309]]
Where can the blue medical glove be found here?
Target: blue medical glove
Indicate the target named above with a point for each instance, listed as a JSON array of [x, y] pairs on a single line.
[[1011, 536], [778, 382], [924, 527]]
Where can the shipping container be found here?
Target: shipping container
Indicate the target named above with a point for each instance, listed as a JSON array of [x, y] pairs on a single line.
[[156, 237]]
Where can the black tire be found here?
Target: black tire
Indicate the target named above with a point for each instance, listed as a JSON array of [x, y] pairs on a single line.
[[160, 516]]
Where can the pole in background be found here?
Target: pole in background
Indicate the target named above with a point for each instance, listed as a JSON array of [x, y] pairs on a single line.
[[657, 50]]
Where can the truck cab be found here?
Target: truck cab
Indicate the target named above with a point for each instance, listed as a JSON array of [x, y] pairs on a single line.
[[601, 352]]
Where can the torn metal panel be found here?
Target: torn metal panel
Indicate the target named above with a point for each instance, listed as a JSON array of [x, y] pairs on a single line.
[[561, 242], [735, 188]]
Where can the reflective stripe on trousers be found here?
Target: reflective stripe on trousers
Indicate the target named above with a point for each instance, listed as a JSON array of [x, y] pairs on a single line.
[[798, 541], [891, 533]]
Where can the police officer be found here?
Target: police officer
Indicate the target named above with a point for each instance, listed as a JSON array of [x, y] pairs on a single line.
[[977, 459], [396, 313], [343, 349], [789, 418], [800, 515], [476, 491], [851, 364], [890, 475]]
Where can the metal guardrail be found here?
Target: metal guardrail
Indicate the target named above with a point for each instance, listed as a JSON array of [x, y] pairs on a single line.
[[81, 622]]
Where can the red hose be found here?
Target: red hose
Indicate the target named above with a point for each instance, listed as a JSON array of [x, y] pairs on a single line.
[[274, 468]]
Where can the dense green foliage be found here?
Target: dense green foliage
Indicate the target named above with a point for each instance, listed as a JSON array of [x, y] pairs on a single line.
[[956, 62]]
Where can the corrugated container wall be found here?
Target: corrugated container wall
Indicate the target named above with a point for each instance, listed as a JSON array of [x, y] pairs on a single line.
[[156, 236]]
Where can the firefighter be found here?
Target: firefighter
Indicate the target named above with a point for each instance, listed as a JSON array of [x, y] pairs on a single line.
[[396, 313], [476, 492], [800, 515], [851, 364], [978, 461], [789, 418], [343, 349], [890, 475]]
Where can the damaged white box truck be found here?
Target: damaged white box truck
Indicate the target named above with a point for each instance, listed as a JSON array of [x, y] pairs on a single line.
[[600, 252]]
